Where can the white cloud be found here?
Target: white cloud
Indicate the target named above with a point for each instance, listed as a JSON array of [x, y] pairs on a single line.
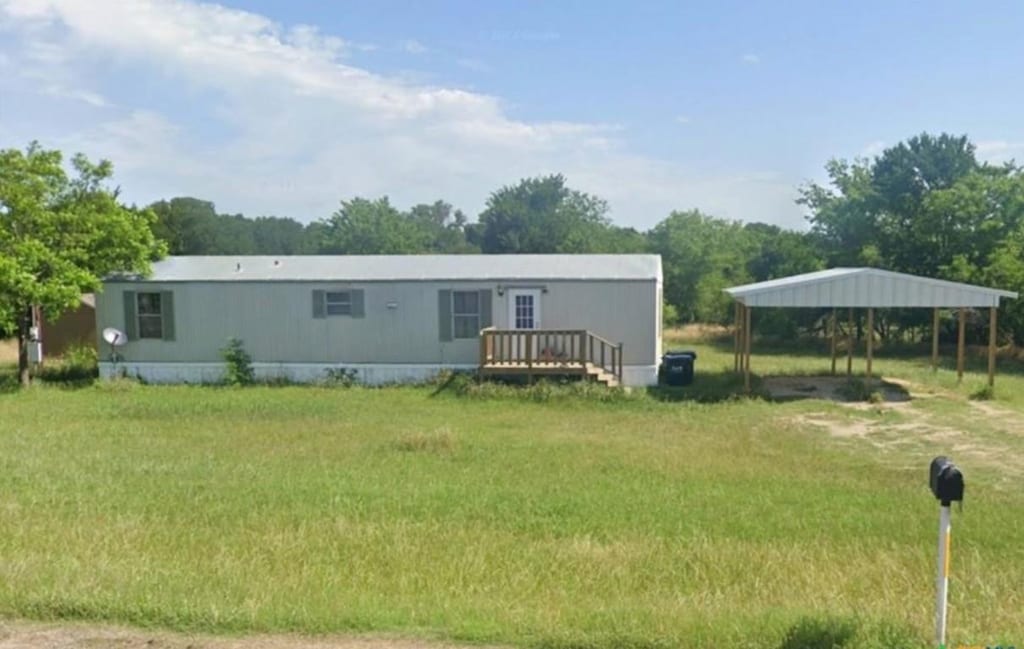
[[413, 46], [872, 149], [278, 122], [85, 96], [682, 119], [999, 151], [750, 59]]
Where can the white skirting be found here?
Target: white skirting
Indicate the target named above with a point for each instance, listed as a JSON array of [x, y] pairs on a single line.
[[368, 373]]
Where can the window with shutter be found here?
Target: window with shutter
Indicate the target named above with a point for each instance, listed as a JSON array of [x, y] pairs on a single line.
[[466, 314], [150, 315]]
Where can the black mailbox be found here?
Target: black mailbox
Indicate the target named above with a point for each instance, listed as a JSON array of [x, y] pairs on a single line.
[[946, 481]]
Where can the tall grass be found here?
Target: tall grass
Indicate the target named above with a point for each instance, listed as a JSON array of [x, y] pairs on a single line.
[[565, 522]]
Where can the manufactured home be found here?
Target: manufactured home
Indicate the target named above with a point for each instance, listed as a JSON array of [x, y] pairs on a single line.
[[390, 318]]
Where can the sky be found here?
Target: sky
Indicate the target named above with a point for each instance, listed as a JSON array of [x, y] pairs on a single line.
[[285, 108]]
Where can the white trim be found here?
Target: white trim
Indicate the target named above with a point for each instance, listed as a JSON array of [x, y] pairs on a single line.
[[865, 287], [368, 373]]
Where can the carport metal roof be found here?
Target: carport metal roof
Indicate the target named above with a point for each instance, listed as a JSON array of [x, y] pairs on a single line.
[[869, 288], [865, 287]]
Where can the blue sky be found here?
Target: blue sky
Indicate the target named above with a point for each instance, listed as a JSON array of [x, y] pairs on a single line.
[[285, 108]]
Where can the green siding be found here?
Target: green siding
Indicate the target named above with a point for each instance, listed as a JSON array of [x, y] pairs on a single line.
[[276, 320]]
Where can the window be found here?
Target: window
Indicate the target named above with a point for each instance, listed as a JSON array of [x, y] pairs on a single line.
[[524, 312], [151, 317], [338, 302], [466, 314]]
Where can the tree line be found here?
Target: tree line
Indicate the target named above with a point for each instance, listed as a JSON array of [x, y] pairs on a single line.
[[925, 206]]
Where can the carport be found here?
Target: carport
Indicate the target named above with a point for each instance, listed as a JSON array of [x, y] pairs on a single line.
[[865, 288]]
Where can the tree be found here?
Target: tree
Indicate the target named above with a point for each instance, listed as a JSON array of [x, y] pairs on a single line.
[[60, 236], [844, 218], [543, 215], [444, 227], [185, 224], [926, 207], [701, 255], [365, 227], [274, 235]]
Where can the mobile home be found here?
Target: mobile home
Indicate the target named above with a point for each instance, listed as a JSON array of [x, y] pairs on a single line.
[[389, 318]]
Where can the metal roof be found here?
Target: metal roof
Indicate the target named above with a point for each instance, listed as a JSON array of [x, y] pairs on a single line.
[[865, 287], [355, 268]]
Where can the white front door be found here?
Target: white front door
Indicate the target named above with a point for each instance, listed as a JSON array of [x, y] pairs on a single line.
[[523, 313], [524, 308]]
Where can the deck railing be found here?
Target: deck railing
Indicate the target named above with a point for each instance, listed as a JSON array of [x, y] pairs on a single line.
[[571, 348]]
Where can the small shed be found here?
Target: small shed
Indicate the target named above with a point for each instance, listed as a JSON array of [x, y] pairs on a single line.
[[865, 288], [74, 328], [390, 318]]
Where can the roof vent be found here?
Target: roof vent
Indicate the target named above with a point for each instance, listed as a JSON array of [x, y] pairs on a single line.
[[277, 263]]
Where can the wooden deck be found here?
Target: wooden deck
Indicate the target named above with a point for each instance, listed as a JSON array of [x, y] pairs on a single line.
[[550, 352]]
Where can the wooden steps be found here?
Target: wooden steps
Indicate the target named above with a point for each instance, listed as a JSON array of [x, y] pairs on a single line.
[[589, 371]]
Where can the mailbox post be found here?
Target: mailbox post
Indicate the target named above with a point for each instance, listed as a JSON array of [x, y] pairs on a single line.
[[947, 485]]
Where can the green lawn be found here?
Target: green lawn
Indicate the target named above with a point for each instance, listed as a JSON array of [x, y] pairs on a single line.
[[646, 521]]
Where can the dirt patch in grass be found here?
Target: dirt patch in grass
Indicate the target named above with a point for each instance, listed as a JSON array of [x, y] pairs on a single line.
[[831, 388], [1009, 421], [25, 635], [917, 430]]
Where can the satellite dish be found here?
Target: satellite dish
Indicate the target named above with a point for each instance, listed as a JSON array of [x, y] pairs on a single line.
[[114, 336]]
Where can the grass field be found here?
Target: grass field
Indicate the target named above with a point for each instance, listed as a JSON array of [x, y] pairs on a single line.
[[532, 518]]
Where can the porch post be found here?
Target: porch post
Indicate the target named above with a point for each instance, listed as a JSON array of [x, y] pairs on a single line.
[[935, 339], [960, 345], [992, 345]]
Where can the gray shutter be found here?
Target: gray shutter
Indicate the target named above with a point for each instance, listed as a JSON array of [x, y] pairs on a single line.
[[486, 317], [358, 304], [319, 310], [131, 323], [444, 315], [167, 314]]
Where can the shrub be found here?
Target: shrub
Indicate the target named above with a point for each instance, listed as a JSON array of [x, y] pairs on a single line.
[[669, 315], [342, 377], [854, 390], [848, 633], [79, 363], [239, 363], [815, 633], [986, 393]]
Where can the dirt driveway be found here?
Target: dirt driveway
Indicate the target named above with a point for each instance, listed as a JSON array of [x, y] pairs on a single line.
[[34, 635]]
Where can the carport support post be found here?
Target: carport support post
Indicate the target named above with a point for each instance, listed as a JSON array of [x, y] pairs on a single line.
[[871, 339], [849, 345], [746, 348], [935, 339], [736, 323], [960, 345], [992, 345], [832, 335]]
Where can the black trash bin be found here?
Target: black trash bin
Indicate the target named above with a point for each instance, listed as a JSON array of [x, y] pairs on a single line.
[[677, 368]]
